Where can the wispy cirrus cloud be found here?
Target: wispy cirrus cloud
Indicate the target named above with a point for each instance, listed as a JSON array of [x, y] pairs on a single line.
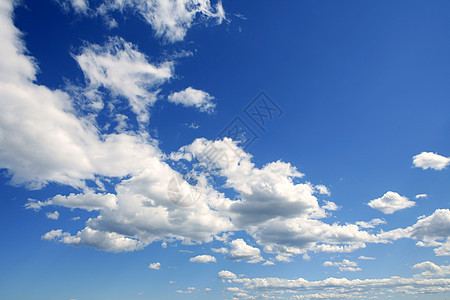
[[170, 19]]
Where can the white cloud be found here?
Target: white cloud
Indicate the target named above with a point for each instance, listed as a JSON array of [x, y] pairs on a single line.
[[107, 241], [121, 68], [322, 189], [419, 196], [432, 270], [430, 160], [155, 266], [371, 224], [170, 19], [224, 274], [88, 201], [55, 145], [431, 231], [241, 251], [222, 250], [280, 214], [189, 290], [79, 6], [52, 215], [283, 257], [278, 211], [339, 288], [391, 202], [344, 265], [203, 259], [192, 97], [330, 206], [366, 258]]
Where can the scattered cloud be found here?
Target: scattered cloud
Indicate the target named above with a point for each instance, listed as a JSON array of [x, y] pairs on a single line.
[[79, 6], [366, 258], [52, 215], [225, 274], [419, 196], [155, 266], [191, 97], [241, 251], [203, 259], [344, 265], [88, 201], [330, 206], [170, 19], [222, 250], [340, 288], [119, 67], [432, 231], [431, 270], [430, 160], [371, 224], [391, 202], [322, 189]]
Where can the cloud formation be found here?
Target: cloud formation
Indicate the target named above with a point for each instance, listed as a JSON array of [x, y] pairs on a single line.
[[391, 202], [192, 97], [340, 288], [430, 160], [344, 265], [121, 68], [155, 266], [203, 259], [240, 250], [170, 19]]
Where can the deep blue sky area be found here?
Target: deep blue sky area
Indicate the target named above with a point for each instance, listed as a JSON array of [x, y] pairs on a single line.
[[363, 93]]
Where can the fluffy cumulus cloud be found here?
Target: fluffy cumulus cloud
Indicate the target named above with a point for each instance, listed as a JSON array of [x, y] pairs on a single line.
[[272, 204], [432, 231], [52, 215], [339, 288], [430, 160], [170, 19], [56, 145], [430, 269], [203, 259], [119, 67], [240, 250], [390, 203], [155, 266], [344, 265], [281, 214], [322, 189], [88, 201], [195, 98]]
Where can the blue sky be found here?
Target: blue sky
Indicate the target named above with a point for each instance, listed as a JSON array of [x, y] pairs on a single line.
[[122, 176]]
